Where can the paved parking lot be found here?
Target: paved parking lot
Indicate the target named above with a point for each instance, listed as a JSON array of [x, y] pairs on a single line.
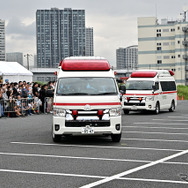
[[153, 152]]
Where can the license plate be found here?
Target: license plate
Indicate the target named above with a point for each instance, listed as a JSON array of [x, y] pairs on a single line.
[[134, 107], [87, 130]]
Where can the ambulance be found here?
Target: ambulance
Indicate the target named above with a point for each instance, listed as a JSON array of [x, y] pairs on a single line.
[[152, 90], [86, 99]]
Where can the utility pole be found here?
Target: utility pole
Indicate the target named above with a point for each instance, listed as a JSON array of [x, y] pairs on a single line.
[[27, 55]]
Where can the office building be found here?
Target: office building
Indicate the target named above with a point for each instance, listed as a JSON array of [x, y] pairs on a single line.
[[59, 34], [89, 42], [15, 57], [2, 40], [127, 58], [164, 45]]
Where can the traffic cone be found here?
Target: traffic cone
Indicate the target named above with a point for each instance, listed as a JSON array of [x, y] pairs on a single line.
[[177, 97], [182, 97]]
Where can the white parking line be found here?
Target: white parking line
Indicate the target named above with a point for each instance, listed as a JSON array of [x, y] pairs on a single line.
[[134, 170], [72, 157], [85, 158], [51, 173], [157, 123], [146, 127], [178, 117], [178, 120], [142, 132], [155, 180], [155, 140], [94, 146], [89, 176]]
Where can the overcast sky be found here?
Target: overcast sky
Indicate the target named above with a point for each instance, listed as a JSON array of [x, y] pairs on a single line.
[[114, 21]]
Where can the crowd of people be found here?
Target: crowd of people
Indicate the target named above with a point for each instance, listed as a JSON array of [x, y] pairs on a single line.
[[23, 98]]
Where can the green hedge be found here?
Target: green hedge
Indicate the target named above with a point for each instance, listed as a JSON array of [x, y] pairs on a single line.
[[182, 91]]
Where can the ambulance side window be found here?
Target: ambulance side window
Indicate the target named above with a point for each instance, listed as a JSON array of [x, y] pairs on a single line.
[[157, 85], [168, 86]]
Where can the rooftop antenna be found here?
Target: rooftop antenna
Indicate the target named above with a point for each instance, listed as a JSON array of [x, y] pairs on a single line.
[[184, 13]]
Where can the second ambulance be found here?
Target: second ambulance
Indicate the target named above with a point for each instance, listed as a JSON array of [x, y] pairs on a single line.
[[152, 90]]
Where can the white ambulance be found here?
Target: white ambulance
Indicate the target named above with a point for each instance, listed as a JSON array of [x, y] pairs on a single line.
[[152, 90], [86, 99]]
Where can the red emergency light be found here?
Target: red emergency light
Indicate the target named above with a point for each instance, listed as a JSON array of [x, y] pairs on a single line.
[[85, 65], [143, 74], [171, 73], [124, 78]]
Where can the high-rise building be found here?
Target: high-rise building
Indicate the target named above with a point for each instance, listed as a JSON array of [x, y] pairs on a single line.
[[15, 57], [59, 34], [89, 42], [2, 40], [127, 58], [164, 46]]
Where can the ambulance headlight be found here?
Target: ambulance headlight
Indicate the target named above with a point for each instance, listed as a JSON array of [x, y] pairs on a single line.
[[115, 112], [151, 98], [59, 112]]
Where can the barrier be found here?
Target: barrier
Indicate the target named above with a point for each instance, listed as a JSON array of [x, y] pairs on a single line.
[[25, 106], [18, 107]]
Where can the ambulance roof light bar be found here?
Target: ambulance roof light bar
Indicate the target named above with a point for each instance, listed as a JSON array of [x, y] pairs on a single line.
[[144, 74], [85, 65]]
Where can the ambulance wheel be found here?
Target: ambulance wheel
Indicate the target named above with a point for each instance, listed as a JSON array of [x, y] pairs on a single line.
[[157, 108], [172, 107], [126, 111], [116, 137], [56, 138]]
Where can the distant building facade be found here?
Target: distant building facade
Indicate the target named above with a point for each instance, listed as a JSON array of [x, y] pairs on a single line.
[[2, 40], [164, 46], [127, 58], [89, 42], [59, 34], [15, 57]]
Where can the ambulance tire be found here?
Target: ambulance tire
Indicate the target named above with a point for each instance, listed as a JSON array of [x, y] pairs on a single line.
[[172, 107], [56, 138], [116, 137], [157, 108], [126, 111]]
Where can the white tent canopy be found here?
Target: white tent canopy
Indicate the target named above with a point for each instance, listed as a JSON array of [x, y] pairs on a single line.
[[14, 72]]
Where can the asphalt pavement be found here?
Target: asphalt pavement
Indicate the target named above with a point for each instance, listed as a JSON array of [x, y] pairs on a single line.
[[153, 153]]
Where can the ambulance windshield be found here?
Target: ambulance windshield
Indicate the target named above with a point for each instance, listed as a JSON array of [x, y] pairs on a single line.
[[86, 86], [139, 85]]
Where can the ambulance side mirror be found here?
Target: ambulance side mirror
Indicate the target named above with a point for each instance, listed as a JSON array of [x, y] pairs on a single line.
[[122, 89], [154, 88]]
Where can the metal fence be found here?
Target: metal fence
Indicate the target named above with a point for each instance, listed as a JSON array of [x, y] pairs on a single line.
[[25, 106]]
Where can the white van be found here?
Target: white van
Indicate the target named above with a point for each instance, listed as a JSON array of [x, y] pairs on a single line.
[[86, 99], [152, 90]]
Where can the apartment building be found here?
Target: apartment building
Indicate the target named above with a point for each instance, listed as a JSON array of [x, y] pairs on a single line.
[[164, 45]]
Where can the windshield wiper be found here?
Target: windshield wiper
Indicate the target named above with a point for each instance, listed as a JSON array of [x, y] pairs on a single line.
[[77, 93], [107, 93]]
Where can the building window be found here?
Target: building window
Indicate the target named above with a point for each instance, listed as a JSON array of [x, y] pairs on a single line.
[[158, 44], [178, 41], [158, 30], [166, 57], [173, 43], [172, 30], [159, 57], [165, 30], [165, 43], [173, 57], [179, 55], [178, 28], [158, 48], [158, 34], [159, 61]]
